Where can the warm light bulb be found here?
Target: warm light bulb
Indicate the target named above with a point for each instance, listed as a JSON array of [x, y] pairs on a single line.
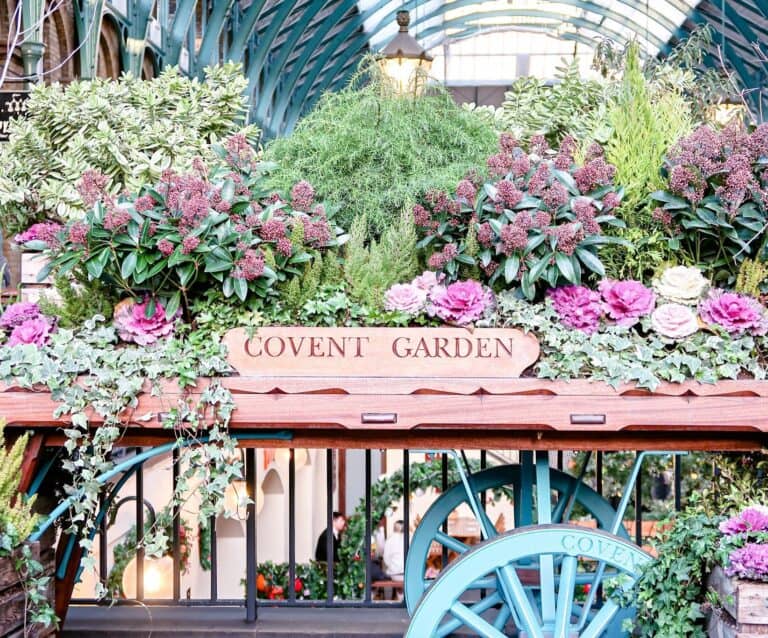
[[158, 578]]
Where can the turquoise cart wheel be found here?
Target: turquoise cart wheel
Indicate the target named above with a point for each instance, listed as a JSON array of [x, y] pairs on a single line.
[[430, 528], [563, 553]]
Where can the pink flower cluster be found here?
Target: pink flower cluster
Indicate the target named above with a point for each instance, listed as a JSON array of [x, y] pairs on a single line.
[[750, 520], [749, 562], [27, 325], [461, 302], [735, 313], [624, 302], [134, 326], [46, 232]]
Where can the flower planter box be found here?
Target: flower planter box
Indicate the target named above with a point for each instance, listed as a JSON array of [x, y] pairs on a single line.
[[12, 599], [744, 607]]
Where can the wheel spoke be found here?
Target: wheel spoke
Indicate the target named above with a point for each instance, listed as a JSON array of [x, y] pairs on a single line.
[[475, 622], [451, 543], [477, 608], [565, 596], [502, 617], [601, 620], [517, 599]]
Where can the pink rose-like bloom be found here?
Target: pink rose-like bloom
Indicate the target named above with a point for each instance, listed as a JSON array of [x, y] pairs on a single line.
[[405, 298], [578, 307], [751, 519], [428, 280], [460, 303], [32, 331], [17, 313], [749, 562], [734, 312], [134, 326], [674, 320], [626, 301], [46, 232]]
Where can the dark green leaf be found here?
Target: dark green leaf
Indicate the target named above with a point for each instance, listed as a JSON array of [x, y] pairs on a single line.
[[128, 265]]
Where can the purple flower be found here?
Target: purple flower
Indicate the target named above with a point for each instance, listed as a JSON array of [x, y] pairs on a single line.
[[751, 519], [406, 298], [427, 280], [18, 313], [134, 326], [674, 320], [302, 196], [734, 312], [578, 307], [460, 303], [45, 232], [749, 562], [32, 331], [626, 301]]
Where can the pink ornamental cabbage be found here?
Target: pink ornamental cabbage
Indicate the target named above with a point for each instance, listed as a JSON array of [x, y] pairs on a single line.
[[32, 331], [578, 307], [45, 232], [751, 519], [734, 312], [460, 303], [17, 313], [134, 326], [405, 298], [749, 562], [674, 320], [626, 301]]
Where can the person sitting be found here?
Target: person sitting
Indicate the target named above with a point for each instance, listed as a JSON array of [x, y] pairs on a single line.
[[338, 523], [394, 552]]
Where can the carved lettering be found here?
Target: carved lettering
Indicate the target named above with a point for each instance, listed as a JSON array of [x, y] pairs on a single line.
[[295, 348], [268, 349], [507, 349], [341, 348]]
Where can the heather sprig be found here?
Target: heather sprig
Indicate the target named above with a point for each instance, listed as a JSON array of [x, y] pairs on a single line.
[[537, 222]]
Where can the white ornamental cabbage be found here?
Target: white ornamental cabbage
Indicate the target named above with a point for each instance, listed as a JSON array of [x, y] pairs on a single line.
[[681, 284]]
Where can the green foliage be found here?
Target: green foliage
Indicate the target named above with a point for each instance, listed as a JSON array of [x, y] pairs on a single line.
[[643, 127], [619, 355], [77, 301], [372, 152], [645, 256], [87, 372], [571, 106], [17, 522], [371, 270], [130, 130], [752, 277]]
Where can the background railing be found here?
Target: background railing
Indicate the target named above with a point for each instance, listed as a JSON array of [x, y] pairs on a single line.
[[143, 495]]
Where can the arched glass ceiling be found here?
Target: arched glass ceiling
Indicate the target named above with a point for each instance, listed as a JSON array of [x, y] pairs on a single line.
[[294, 50]]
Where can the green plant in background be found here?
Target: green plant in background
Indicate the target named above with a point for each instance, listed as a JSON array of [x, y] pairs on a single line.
[[130, 130], [643, 127], [752, 278], [17, 522], [372, 152], [571, 105], [77, 301], [370, 269]]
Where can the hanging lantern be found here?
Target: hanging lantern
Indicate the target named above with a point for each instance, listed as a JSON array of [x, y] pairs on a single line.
[[236, 498], [404, 61], [158, 578]]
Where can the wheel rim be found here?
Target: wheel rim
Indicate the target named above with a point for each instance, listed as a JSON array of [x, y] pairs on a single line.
[[448, 605], [430, 527]]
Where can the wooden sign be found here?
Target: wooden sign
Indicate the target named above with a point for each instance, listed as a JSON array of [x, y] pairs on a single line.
[[289, 351]]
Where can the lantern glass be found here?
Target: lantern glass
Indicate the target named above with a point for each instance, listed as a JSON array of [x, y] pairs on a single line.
[[158, 578]]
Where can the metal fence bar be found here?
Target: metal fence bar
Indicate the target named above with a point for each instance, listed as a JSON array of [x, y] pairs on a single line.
[[444, 487], [214, 561], [139, 531], [406, 501], [292, 526], [639, 508], [176, 528], [329, 525], [599, 473], [367, 538], [103, 543], [250, 536], [678, 482]]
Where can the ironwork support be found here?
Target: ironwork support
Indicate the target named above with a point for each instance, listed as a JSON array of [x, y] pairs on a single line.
[[32, 47], [136, 40], [216, 21], [88, 19], [185, 9]]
